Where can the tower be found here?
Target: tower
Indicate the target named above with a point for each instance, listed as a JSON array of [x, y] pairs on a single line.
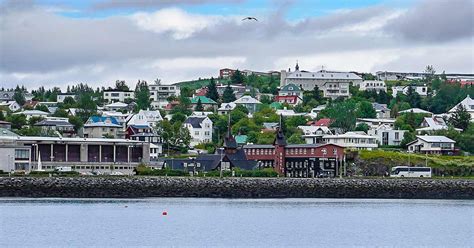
[[280, 144], [230, 145], [297, 67]]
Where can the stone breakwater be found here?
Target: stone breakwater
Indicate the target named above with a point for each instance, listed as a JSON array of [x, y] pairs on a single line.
[[137, 187]]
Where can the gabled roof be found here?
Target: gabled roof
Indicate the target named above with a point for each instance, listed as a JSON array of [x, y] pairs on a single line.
[[276, 105], [247, 100], [32, 112], [62, 123], [102, 121], [291, 88], [117, 105], [323, 122], [195, 121], [415, 111], [227, 106], [204, 100], [468, 104], [380, 107]]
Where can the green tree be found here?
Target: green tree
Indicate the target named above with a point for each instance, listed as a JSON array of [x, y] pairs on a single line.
[[142, 95], [343, 114], [178, 117], [414, 98], [241, 108], [19, 96], [362, 127], [2, 116], [77, 122], [366, 110], [17, 121], [186, 91], [41, 107], [33, 120], [296, 138], [87, 106], [407, 138], [460, 118], [199, 106], [121, 85], [228, 95], [212, 90], [60, 113], [69, 102], [237, 77]]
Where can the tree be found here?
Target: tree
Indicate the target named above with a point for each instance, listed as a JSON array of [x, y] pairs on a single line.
[[175, 135], [34, 119], [69, 102], [178, 117], [362, 127], [366, 110], [18, 96], [142, 95], [237, 78], [2, 116], [121, 85], [87, 105], [429, 73], [241, 108], [460, 118], [296, 138], [17, 121], [212, 90], [199, 106], [228, 95], [60, 113], [41, 107], [77, 122], [343, 114], [186, 92], [414, 98], [407, 138]]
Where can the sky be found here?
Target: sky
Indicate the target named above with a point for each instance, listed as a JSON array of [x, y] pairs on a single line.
[[58, 43]]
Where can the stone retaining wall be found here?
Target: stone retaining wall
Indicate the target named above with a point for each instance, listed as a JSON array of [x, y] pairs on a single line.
[[136, 187]]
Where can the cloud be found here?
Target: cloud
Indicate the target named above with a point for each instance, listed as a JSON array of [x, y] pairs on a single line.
[[435, 20], [38, 46], [144, 4]]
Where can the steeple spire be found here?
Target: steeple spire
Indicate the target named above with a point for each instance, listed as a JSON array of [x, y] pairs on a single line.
[[280, 136], [229, 140], [297, 67]]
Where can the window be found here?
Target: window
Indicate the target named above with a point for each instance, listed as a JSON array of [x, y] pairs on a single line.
[[196, 133], [397, 135], [22, 154]]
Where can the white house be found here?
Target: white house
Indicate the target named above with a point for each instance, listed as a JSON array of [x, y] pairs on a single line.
[[374, 85], [119, 116], [291, 90], [150, 117], [115, 106], [160, 93], [12, 105], [118, 95], [432, 124], [200, 128], [386, 135], [314, 134], [33, 113], [421, 90], [374, 122], [333, 84], [288, 112], [353, 140], [61, 96], [468, 104], [225, 108], [249, 102], [432, 145]]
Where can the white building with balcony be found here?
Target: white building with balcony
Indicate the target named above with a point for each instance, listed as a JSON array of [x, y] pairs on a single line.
[[432, 145], [374, 85], [421, 90], [386, 135], [314, 134], [117, 95], [352, 140], [160, 93]]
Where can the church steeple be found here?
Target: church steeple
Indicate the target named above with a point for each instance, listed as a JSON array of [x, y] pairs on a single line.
[[280, 139], [229, 141], [297, 67]]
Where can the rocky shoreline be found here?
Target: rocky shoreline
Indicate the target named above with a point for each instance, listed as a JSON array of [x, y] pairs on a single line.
[[139, 187]]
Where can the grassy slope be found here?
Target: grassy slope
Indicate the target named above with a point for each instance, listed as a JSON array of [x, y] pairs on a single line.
[[398, 158]]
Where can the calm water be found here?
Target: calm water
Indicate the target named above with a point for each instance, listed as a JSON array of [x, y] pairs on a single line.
[[221, 222]]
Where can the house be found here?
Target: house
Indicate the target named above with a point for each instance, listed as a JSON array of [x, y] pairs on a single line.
[[314, 134], [52, 106], [468, 104], [432, 124], [249, 102], [352, 140], [200, 128], [102, 126], [288, 112], [160, 93], [201, 113], [415, 111], [290, 100], [201, 91], [381, 110], [374, 122], [116, 106], [387, 135], [291, 90], [226, 108], [372, 85], [207, 103], [11, 105], [432, 145], [111, 96], [333, 84], [421, 90], [226, 73], [391, 75], [6, 95], [119, 116], [61, 96], [56, 124], [150, 117], [238, 89], [324, 122], [33, 113]]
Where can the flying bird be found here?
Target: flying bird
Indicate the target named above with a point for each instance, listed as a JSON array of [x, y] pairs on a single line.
[[250, 19]]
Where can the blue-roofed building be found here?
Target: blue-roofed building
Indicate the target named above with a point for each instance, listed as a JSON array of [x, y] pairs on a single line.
[[103, 127]]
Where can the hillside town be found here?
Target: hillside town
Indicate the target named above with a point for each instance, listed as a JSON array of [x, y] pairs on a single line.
[[290, 123]]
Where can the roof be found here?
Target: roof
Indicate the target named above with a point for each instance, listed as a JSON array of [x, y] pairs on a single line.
[[323, 122], [380, 107], [291, 88], [356, 135], [258, 146], [276, 105], [241, 139], [32, 112], [7, 133], [416, 111], [227, 106], [434, 138], [468, 104], [204, 100], [102, 121], [247, 100], [322, 74], [195, 121], [66, 139], [47, 122], [270, 125], [117, 105]]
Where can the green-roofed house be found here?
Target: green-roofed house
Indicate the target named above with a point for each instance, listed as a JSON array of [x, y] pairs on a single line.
[[291, 90], [276, 105], [241, 139], [206, 102]]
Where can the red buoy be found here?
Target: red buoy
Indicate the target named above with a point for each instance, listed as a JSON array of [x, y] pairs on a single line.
[[165, 213]]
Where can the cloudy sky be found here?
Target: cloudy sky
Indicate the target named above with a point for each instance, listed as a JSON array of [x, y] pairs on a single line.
[[55, 43]]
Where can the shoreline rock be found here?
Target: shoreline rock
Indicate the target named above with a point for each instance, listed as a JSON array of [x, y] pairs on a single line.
[[140, 187]]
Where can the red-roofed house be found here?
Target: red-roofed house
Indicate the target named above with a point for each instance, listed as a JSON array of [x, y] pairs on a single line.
[[291, 100], [202, 91], [324, 122]]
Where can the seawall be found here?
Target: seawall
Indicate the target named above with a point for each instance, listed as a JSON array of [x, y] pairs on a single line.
[[137, 187]]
